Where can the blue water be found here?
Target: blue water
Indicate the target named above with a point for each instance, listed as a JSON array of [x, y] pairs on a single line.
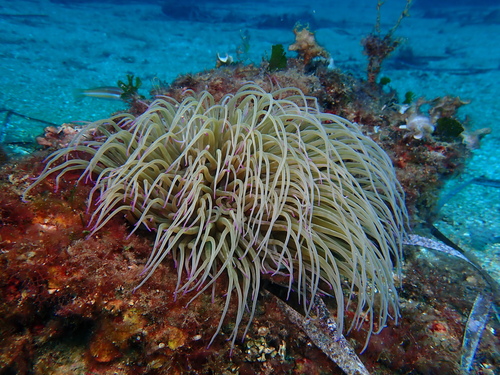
[[50, 48]]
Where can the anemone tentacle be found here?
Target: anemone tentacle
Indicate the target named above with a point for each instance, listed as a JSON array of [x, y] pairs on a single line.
[[257, 184]]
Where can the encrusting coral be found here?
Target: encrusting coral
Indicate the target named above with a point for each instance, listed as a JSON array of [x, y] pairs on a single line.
[[256, 184]]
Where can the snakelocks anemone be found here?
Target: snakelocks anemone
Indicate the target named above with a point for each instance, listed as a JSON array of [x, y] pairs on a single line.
[[257, 184]]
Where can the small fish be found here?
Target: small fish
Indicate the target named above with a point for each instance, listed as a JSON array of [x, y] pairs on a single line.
[[109, 93]]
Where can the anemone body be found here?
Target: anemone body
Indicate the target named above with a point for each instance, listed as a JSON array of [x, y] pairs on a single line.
[[256, 184]]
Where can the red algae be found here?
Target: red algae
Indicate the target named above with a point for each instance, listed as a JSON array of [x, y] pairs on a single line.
[[68, 303], [69, 306]]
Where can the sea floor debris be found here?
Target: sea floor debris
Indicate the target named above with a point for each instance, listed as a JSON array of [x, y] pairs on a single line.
[[46, 259], [50, 306], [323, 332], [486, 299]]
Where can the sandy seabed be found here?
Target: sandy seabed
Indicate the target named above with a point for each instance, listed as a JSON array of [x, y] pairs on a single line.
[[50, 49], [47, 50]]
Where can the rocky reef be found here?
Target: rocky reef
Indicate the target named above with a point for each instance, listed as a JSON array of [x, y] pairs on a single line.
[[68, 303]]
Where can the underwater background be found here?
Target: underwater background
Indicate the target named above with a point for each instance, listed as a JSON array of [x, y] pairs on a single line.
[[50, 51]]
